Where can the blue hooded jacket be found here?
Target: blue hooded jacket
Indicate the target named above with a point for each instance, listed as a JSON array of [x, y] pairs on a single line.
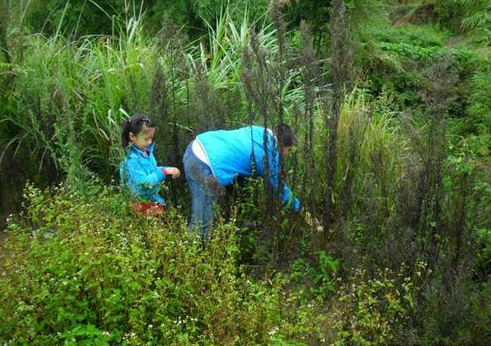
[[142, 175], [230, 154]]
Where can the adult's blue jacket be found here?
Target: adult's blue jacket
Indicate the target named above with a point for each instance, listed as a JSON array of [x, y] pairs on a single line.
[[230, 154], [139, 171]]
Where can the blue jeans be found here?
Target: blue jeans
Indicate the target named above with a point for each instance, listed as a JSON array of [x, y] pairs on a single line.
[[204, 190]]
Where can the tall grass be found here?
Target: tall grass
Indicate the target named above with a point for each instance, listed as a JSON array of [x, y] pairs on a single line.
[[68, 97]]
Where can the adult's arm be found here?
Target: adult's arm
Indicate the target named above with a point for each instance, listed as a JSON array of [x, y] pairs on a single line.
[[287, 196]]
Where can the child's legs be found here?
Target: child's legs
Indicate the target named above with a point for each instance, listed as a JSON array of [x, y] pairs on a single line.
[[200, 180], [148, 208]]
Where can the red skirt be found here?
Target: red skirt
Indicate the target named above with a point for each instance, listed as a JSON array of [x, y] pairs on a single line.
[[148, 208]]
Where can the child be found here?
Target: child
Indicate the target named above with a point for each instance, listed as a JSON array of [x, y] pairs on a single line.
[[139, 170]]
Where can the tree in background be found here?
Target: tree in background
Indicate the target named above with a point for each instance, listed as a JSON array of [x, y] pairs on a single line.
[[73, 18], [94, 17]]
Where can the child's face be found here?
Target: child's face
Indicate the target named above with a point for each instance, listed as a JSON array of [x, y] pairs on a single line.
[[144, 138]]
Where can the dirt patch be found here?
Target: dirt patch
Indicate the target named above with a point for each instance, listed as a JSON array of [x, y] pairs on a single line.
[[16, 169], [423, 14], [399, 12], [3, 250], [3, 236]]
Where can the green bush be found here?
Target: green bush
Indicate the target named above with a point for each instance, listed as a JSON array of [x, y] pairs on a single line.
[[72, 17], [373, 311], [320, 278], [83, 270], [472, 16]]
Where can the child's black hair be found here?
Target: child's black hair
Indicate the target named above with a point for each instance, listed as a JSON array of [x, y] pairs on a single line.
[[134, 125], [285, 135]]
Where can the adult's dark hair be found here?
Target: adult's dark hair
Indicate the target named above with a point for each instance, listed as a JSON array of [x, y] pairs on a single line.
[[285, 135], [134, 125]]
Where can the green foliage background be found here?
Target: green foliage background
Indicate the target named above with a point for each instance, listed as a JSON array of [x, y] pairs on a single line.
[[396, 144]]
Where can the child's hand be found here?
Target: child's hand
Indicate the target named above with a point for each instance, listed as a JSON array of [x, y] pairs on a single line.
[[174, 172]]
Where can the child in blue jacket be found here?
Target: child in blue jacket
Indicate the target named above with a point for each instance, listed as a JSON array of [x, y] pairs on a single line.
[[215, 158], [139, 170]]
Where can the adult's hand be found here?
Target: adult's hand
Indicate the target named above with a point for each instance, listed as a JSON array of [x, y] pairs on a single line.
[[313, 222]]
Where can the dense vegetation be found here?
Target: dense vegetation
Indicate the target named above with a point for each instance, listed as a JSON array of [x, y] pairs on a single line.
[[391, 101]]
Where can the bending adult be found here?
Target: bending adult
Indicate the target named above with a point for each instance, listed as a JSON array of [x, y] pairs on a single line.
[[215, 158]]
